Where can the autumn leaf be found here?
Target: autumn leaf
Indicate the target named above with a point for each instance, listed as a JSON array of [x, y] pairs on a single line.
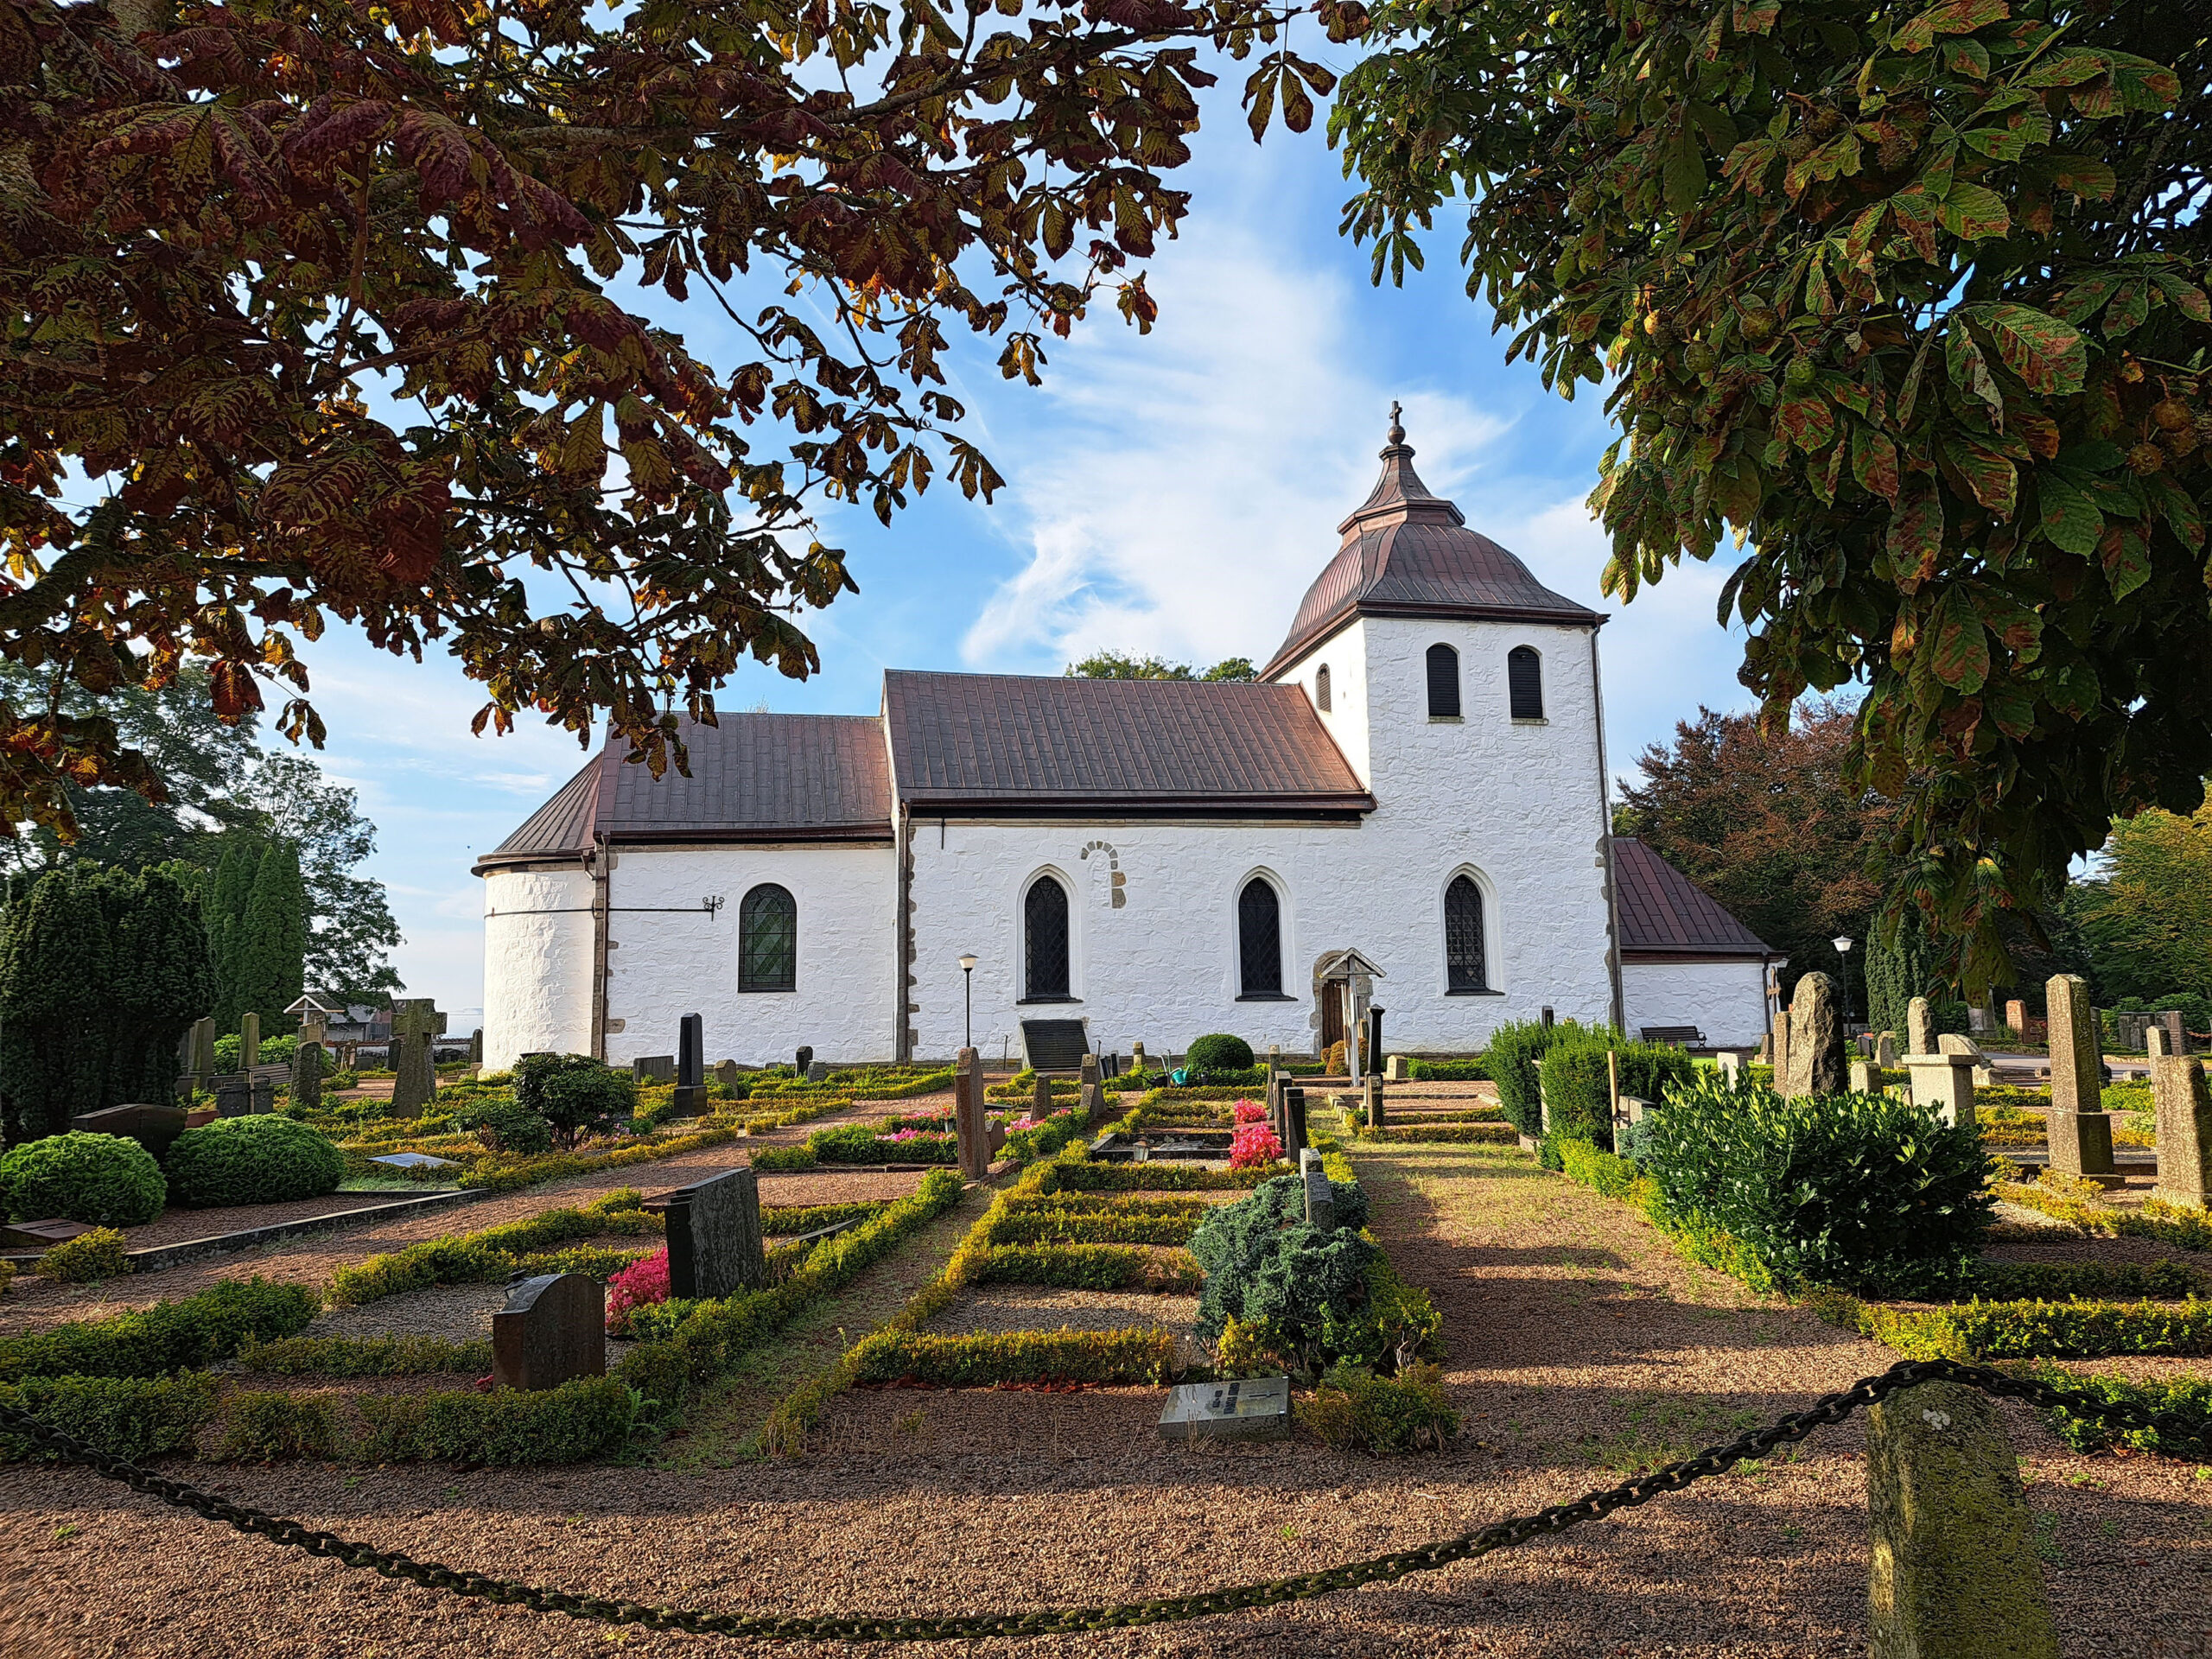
[[1973, 212], [2048, 355]]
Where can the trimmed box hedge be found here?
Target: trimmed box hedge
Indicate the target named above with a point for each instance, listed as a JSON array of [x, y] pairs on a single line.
[[490, 1253], [180, 1336], [988, 1358], [1094, 1266], [2037, 1330]]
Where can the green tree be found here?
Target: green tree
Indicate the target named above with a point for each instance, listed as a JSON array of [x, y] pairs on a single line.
[[223, 913], [2147, 913], [1912, 299], [1117, 665], [101, 971], [268, 947]]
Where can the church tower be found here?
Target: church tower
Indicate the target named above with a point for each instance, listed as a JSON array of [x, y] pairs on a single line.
[[1466, 694]]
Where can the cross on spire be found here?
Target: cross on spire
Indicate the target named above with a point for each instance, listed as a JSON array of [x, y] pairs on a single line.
[[1397, 431]]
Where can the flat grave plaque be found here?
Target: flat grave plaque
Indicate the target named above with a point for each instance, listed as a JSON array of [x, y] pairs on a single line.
[[41, 1235], [1247, 1409], [413, 1161]]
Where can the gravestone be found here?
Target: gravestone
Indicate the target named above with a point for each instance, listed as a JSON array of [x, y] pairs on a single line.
[[1373, 1088], [234, 1095], [41, 1235], [1816, 1039], [415, 1023], [249, 1041], [1863, 1078], [413, 1160], [203, 1054], [552, 1331], [1371, 1051], [2184, 1130], [307, 1075], [1634, 1109], [1292, 1135], [690, 1066], [1087, 1070], [1885, 1051], [1247, 1409], [970, 1122], [2176, 1033], [2081, 1134], [2155, 1045], [1766, 1050], [726, 1073], [713, 1236], [155, 1128], [1944, 1081], [1779, 1039], [1953, 1572], [1919, 1027], [1979, 1018], [1320, 1197], [1041, 1097], [2128, 1029], [653, 1068], [818, 1070], [1731, 1065], [2016, 1017], [264, 1093], [802, 1062]]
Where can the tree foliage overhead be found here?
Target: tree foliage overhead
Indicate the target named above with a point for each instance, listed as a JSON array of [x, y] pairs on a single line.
[[309, 318], [1911, 298], [1118, 665]]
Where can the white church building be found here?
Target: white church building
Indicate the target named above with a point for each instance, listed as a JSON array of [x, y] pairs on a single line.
[[1418, 776]]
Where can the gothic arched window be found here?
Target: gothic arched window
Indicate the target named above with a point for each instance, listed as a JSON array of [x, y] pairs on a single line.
[[1321, 688], [1258, 939], [1443, 683], [1465, 968], [768, 940], [1525, 682], [1045, 939]]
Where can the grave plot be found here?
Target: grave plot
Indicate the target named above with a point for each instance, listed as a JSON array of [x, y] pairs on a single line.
[[1418, 1112]]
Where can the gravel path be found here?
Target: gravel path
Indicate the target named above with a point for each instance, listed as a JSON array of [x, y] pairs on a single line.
[[1580, 1344]]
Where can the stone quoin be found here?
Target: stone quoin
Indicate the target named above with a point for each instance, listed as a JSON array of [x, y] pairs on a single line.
[[1418, 776]]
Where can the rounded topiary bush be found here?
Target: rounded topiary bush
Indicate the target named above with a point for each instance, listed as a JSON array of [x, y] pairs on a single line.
[[260, 1159], [104, 1179], [1219, 1051]]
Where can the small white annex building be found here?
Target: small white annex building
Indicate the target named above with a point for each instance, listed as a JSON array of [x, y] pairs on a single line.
[[1417, 779]]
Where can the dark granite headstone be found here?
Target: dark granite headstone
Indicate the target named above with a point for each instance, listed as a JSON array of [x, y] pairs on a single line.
[[690, 1066], [233, 1095], [552, 1331], [41, 1235], [802, 1060], [654, 1068], [154, 1128], [713, 1236], [1292, 1135], [264, 1093]]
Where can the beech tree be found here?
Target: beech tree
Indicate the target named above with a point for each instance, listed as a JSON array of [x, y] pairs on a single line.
[[312, 317], [1909, 303]]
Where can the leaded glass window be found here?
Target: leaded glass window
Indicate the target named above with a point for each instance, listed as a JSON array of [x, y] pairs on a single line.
[[1465, 969], [768, 940], [1045, 929], [1258, 939]]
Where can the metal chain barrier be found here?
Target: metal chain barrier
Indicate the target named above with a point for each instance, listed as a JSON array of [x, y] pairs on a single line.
[[1383, 1569]]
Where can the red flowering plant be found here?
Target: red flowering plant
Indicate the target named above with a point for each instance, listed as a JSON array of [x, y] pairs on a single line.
[[644, 1283], [1253, 1146], [1251, 1111]]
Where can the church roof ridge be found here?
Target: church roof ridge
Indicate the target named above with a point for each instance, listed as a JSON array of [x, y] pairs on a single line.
[[1406, 551]]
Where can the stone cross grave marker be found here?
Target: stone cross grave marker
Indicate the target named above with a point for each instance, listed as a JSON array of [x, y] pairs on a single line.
[[690, 1066], [971, 1121], [552, 1331], [1816, 1039], [2081, 1133], [249, 1041], [416, 1024], [714, 1246], [1249, 1408], [2184, 1130], [1919, 1027]]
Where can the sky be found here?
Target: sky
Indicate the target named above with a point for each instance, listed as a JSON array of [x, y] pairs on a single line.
[[1170, 494]]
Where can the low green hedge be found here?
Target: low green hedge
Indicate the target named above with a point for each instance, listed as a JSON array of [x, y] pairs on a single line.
[[582, 1419], [1093, 1266], [497, 1173], [2188, 1397], [1474, 1071], [987, 1358], [364, 1357], [1056, 1226], [1439, 1134], [133, 1417], [1156, 1177], [2027, 1282], [493, 1253], [1611, 1174], [1353, 1409], [777, 1220], [2155, 1219], [167, 1337], [1979, 1331]]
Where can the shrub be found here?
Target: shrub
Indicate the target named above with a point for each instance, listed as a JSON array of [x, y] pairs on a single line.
[[136, 1418], [2075, 1329], [1266, 1268], [783, 1159], [229, 1049], [576, 1096], [503, 1126], [1253, 1146], [2189, 1398], [1218, 1051], [1249, 1111], [1469, 1070], [364, 1356], [1093, 1266], [99, 1253], [260, 1160], [986, 1358], [105, 1179], [641, 1284], [492, 1252], [1577, 1103], [1514, 1053], [1867, 1191], [1353, 1409], [167, 1337]]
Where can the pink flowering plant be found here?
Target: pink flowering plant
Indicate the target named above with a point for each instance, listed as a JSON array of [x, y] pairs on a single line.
[[644, 1283], [1251, 1111], [1253, 1146]]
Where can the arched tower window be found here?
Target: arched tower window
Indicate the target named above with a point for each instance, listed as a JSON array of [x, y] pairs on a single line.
[[1258, 939], [768, 940], [1321, 688], [1465, 969], [1525, 682], [1443, 683], [1045, 938]]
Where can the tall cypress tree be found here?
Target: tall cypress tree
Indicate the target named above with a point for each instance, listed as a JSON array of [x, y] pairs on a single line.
[[223, 913], [271, 938]]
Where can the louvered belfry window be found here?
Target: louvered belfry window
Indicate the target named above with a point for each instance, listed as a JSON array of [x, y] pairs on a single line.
[[1525, 682], [1443, 681], [1045, 929], [1465, 969], [1258, 939], [1321, 688], [768, 940]]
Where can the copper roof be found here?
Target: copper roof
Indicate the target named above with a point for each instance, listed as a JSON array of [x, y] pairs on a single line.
[[1663, 913], [754, 777], [996, 743], [1408, 551]]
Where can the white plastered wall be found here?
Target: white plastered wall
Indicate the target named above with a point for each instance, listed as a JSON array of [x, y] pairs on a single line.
[[1726, 1000], [668, 957], [537, 949]]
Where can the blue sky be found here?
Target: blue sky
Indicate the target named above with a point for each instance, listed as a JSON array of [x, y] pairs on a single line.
[[1174, 493]]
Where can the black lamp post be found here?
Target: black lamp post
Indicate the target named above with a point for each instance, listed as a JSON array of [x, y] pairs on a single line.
[[1843, 954], [968, 996]]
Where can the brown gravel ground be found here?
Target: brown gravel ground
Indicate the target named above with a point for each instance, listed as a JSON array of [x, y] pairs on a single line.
[[33, 1303], [1580, 1344]]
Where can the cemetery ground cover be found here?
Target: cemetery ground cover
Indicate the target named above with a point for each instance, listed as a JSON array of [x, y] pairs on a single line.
[[1579, 1342]]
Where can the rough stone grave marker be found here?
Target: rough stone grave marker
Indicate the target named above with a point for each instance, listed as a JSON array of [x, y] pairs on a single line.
[[690, 1066], [2154, 1043], [1246, 1408], [1919, 1027], [2016, 1017], [203, 1054], [970, 1122], [249, 1041], [714, 1246], [1041, 1097], [552, 1331], [155, 1128], [416, 1024], [1816, 1039], [1778, 1049], [2081, 1133], [2184, 1130]]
